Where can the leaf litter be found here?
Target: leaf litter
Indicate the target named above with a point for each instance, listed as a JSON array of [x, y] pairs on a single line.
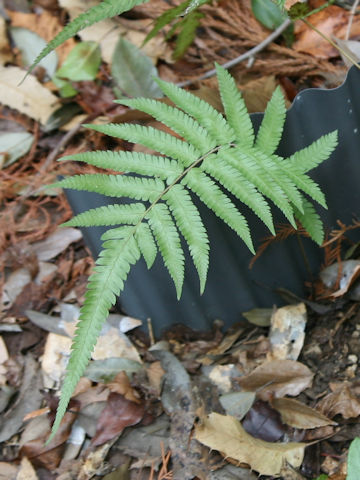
[[218, 405]]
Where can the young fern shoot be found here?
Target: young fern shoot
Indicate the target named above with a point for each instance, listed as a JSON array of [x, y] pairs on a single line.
[[216, 159]]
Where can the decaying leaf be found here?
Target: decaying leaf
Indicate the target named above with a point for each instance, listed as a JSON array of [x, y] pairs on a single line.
[[118, 414], [298, 415], [278, 378], [30, 98], [342, 401], [225, 434], [237, 404]]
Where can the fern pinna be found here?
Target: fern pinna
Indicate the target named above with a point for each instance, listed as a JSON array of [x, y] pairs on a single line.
[[217, 158]]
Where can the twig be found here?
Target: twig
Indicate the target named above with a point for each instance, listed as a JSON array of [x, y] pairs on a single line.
[[351, 18], [276, 33]]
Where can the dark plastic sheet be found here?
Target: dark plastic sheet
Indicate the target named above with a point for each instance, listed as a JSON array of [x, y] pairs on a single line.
[[231, 287]]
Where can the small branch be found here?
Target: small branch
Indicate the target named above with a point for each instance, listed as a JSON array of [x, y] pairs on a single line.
[[276, 33], [351, 18]]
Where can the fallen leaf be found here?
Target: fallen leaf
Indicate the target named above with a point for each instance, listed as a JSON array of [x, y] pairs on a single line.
[[30, 98], [55, 358], [342, 274], [14, 145], [332, 21], [237, 404], [222, 375], [278, 378], [264, 422], [133, 72], [118, 414], [121, 384], [225, 434], [342, 401], [30, 44], [259, 316], [56, 243], [113, 343], [29, 399], [105, 370], [5, 50], [287, 332], [155, 374], [8, 471], [26, 471], [298, 415], [82, 63]]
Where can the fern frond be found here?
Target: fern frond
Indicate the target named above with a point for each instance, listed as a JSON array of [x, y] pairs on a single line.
[[152, 138], [115, 185], [235, 108], [131, 162], [215, 199], [311, 221], [247, 166], [189, 222], [204, 113], [168, 241], [110, 273], [302, 181], [311, 156], [242, 189], [178, 121], [272, 125], [116, 214], [105, 9]]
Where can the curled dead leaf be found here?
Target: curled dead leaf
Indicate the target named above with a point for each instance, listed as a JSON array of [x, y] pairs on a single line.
[[226, 434]]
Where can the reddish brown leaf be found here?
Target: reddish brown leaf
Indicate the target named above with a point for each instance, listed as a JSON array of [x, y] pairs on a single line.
[[118, 414], [121, 384], [264, 422]]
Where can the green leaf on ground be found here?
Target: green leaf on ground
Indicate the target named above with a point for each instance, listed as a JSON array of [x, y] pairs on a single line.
[[82, 63], [133, 72], [29, 44], [353, 465]]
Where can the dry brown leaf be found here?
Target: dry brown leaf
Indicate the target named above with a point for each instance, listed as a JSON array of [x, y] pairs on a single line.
[[298, 415], [155, 374], [332, 21], [342, 401], [30, 98], [278, 378], [121, 384], [226, 434]]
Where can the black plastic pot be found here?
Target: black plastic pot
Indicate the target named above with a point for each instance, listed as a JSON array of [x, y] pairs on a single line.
[[231, 287]]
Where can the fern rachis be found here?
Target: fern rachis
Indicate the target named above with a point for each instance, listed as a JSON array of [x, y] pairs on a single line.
[[217, 159]]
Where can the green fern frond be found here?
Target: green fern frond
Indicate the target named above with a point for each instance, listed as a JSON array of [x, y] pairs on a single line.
[[311, 156], [215, 199], [130, 162], [216, 160], [178, 121], [168, 241], [109, 215], [235, 108], [311, 221], [189, 222], [272, 125], [242, 189], [110, 273], [105, 9], [115, 185], [152, 138], [204, 113]]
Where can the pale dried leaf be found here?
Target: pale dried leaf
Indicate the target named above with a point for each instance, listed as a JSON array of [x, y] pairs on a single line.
[[298, 415], [30, 98], [342, 401], [26, 471], [226, 434], [55, 358], [278, 378], [56, 243]]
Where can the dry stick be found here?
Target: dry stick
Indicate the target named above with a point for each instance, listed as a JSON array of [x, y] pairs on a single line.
[[276, 33]]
